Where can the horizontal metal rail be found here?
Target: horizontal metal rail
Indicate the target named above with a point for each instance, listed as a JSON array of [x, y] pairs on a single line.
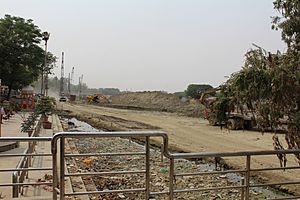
[[231, 154], [208, 189], [26, 169], [209, 173], [143, 134], [106, 154], [159, 193], [25, 139], [106, 192], [275, 168], [20, 172], [22, 154], [24, 184], [106, 173]]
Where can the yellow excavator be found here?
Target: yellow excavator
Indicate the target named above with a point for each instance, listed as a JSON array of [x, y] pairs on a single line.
[[97, 98]]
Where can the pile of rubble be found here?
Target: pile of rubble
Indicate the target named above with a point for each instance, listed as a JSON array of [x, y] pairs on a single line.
[[159, 172]]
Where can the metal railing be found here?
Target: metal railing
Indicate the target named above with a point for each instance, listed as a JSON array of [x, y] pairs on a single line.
[[59, 154], [20, 172], [246, 184], [23, 166], [59, 189], [25, 162]]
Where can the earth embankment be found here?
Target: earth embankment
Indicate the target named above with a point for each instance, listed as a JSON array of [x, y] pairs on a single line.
[[157, 101]]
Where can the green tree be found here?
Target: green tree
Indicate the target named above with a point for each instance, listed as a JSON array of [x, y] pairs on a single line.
[[269, 83], [288, 22], [21, 57], [195, 90]]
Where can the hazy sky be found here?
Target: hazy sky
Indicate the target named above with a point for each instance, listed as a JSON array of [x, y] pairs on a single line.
[[151, 44]]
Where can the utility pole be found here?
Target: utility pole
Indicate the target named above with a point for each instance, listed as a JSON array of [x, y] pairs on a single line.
[[61, 91], [72, 76], [69, 84], [80, 85]]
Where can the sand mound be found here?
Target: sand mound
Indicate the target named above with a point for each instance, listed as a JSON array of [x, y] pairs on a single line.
[[158, 101]]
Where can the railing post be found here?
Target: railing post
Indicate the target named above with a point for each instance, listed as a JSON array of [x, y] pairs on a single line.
[[162, 153], [171, 179], [62, 169], [247, 193], [54, 171], [27, 165], [15, 188], [147, 191], [243, 189]]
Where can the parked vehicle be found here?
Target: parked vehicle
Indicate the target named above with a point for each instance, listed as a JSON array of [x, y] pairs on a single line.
[[235, 120], [63, 99]]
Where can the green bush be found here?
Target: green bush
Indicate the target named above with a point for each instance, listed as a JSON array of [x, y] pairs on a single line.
[[45, 105], [28, 123]]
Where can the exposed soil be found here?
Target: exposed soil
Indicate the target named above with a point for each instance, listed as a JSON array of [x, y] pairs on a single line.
[[157, 101], [195, 135]]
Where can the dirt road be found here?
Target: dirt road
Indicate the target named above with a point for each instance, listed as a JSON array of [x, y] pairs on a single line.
[[195, 135]]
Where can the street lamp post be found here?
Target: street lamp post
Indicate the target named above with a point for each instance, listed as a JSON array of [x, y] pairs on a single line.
[[44, 91]]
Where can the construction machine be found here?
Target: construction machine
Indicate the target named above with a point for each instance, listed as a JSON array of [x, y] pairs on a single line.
[[235, 118], [97, 98], [207, 101]]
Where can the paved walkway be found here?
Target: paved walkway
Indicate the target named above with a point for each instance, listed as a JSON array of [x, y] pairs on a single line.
[[12, 128]]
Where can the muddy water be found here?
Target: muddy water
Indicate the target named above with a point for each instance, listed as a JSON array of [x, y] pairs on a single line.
[[257, 193]]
